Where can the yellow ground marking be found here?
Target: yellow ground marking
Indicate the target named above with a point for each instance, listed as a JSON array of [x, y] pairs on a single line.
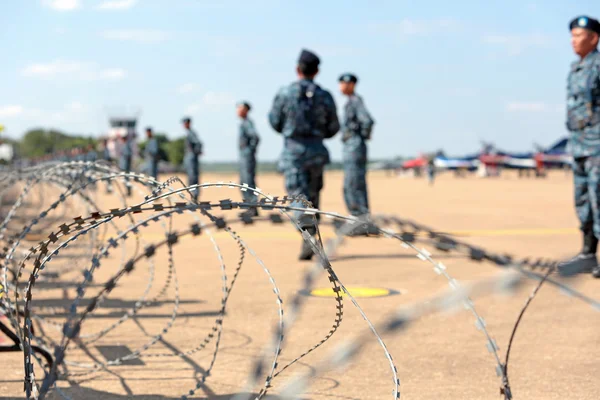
[[354, 291], [328, 234]]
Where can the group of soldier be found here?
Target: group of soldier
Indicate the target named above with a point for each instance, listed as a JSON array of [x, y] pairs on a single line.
[[305, 115]]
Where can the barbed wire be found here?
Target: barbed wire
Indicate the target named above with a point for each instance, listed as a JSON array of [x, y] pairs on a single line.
[[67, 189]]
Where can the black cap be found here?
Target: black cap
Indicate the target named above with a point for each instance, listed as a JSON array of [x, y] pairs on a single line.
[[186, 119], [347, 77], [584, 22], [308, 58], [245, 104], [148, 128]]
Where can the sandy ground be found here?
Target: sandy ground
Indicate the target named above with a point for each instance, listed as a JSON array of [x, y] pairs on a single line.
[[442, 356]]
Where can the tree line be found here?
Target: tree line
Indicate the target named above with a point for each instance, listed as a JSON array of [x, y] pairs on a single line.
[[37, 143]]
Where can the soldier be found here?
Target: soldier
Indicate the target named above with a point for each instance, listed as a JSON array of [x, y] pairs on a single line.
[[125, 158], [431, 168], [151, 153], [304, 114], [583, 122], [356, 128], [193, 149], [91, 154], [248, 142]]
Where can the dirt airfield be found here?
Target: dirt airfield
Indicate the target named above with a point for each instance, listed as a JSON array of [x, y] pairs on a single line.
[[442, 356]]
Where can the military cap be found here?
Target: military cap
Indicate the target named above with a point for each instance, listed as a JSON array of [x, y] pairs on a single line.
[[308, 58], [186, 119], [245, 104], [348, 77], [585, 23]]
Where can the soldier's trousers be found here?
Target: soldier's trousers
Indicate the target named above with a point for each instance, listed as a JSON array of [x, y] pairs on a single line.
[[193, 173], [153, 169], [248, 176], [355, 183], [307, 182], [586, 174], [125, 165]]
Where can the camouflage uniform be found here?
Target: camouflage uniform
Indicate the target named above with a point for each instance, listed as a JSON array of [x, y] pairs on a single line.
[[151, 151], [357, 127], [248, 143], [193, 149], [583, 123], [304, 114]]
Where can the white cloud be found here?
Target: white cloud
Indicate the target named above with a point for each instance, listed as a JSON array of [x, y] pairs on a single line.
[[136, 35], [187, 88], [10, 111], [517, 44], [117, 4], [69, 112], [411, 27], [72, 70], [212, 101], [218, 99], [113, 73], [53, 68], [62, 5], [528, 107]]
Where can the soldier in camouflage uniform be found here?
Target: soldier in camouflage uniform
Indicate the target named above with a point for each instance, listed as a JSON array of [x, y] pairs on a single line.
[[151, 153], [356, 128], [248, 143], [193, 149], [583, 123], [305, 114]]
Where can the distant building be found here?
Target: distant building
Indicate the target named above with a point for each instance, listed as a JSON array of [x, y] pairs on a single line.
[[121, 127]]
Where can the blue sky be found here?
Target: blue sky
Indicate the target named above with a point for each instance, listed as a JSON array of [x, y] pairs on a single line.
[[434, 74]]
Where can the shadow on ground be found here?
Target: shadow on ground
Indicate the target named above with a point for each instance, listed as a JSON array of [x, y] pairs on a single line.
[[91, 394]]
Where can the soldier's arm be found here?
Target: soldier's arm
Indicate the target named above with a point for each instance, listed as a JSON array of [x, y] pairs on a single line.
[[276, 114], [252, 134], [195, 141], [364, 118], [333, 123]]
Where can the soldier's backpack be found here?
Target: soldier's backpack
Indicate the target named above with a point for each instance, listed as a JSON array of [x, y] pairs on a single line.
[[305, 111]]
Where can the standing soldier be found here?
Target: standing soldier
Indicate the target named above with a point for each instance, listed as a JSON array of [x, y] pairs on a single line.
[[152, 154], [304, 114], [583, 122], [431, 168], [193, 149], [248, 142], [356, 128], [125, 158], [91, 154]]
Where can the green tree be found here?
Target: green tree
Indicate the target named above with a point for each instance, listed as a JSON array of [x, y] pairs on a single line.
[[175, 151], [38, 142]]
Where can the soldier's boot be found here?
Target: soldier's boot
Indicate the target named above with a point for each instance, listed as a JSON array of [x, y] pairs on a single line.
[[306, 252], [585, 261]]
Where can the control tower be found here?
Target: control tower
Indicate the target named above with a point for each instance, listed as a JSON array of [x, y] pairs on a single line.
[[122, 127]]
